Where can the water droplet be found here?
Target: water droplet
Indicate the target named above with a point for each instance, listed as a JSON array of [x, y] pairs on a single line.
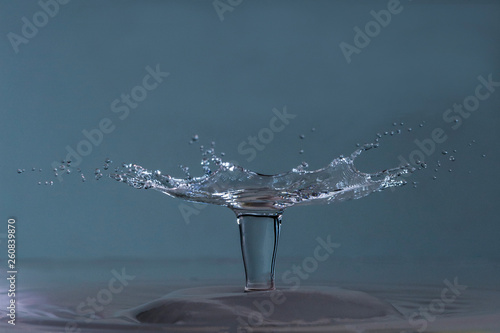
[[68, 171], [222, 154], [449, 170], [194, 139], [302, 136], [39, 183], [379, 135], [33, 169], [313, 129], [51, 182], [301, 151], [46, 183], [421, 125], [19, 171], [434, 177], [392, 132], [83, 177], [452, 158], [484, 155], [444, 152], [39, 170], [398, 131], [401, 123], [410, 129], [385, 133], [106, 166], [454, 150], [394, 124], [108, 160], [62, 167]]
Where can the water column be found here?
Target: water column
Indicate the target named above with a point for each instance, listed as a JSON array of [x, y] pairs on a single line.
[[259, 235]]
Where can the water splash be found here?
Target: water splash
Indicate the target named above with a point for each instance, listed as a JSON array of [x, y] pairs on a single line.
[[240, 189]]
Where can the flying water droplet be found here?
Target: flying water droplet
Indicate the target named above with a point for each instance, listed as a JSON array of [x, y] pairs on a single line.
[[194, 139]]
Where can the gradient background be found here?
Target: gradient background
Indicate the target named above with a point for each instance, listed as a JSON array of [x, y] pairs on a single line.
[[225, 78]]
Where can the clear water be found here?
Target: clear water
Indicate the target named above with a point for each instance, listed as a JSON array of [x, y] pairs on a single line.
[[51, 294], [243, 190], [199, 304]]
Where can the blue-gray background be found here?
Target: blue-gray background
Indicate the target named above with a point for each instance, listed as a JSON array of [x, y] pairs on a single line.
[[225, 79]]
